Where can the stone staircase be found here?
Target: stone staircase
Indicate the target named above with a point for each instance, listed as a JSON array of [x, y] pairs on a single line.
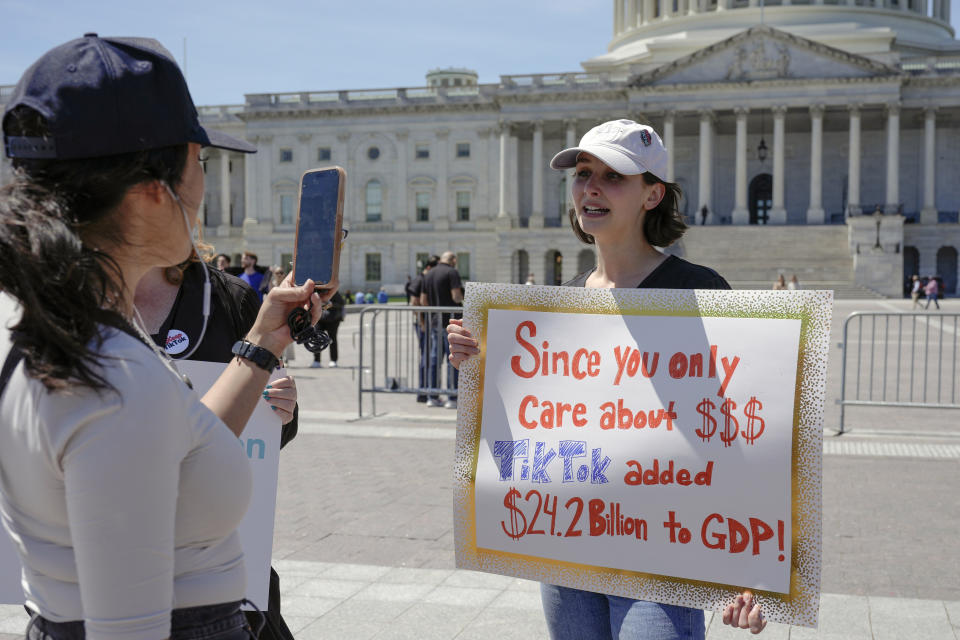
[[841, 290], [751, 257]]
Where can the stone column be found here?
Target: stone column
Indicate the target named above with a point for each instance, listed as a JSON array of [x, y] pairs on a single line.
[[946, 11], [705, 190], [668, 142], [929, 213], [741, 214], [493, 174], [251, 183], [815, 214], [632, 9], [571, 141], [853, 170], [694, 6], [648, 11], [350, 212], [402, 196], [223, 228], [445, 212], [536, 213], [504, 140], [893, 158], [778, 211]]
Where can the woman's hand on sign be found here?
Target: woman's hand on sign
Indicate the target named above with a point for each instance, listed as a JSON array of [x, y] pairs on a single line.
[[462, 343], [281, 395], [271, 330], [745, 613]]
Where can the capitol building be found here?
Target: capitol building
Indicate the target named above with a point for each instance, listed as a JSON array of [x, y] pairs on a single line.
[[821, 136]]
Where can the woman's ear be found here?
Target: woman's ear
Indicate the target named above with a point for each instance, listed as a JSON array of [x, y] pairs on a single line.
[[656, 194]]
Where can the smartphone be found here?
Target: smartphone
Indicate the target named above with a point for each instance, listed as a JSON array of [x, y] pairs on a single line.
[[316, 254]]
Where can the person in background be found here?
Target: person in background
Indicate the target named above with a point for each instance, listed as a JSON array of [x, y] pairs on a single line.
[[122, 488], [932, 290], [780, 284], [794, 284], [360, 298], [330, 322], [382, 297], [257, 277], [420, 323], [530, 279], [627, 209], [442, 287], [222, 262], [915, 288]]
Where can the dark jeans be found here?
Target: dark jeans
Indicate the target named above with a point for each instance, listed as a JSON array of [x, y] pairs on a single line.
[[932, 297], [422, 367], [209, 622], [439, 350]]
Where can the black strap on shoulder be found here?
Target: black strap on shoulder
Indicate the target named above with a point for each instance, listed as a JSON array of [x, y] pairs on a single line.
[[13, 359]]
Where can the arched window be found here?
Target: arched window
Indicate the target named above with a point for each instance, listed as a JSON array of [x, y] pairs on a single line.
[[586, 260], [374, 198], [911, 267], [553, 267], [947, 268], [521, 266]]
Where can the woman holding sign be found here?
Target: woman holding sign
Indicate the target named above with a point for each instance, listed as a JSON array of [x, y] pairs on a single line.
[[625, 206], [122, 488]]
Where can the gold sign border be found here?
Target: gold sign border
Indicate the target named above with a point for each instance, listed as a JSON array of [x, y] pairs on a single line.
[[813, 308]]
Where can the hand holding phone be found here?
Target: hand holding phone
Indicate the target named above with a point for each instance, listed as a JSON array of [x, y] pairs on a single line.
[[316, 254]]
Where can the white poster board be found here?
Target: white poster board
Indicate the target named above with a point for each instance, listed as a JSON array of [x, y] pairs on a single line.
[[261, 441], [662, 445]]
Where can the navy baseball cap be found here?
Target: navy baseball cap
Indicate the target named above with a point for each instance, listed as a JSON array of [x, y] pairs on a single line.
[[108, 96]]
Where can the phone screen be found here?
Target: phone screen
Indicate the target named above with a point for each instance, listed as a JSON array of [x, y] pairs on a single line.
[[318, 226]]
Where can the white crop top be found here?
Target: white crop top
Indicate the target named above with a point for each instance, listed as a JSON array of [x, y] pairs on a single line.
[[124, 505]]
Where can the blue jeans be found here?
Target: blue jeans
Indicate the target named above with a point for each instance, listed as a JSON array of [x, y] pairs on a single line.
[[209, 622], [422, 367], [439, 350], [573, 614]]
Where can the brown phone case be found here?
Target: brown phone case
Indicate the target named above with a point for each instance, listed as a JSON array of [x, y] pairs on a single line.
[[338, 233]]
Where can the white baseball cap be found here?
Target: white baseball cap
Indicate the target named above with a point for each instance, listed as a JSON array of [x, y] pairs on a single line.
[[623, 145]]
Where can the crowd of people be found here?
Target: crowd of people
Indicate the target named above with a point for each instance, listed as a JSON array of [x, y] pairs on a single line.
[[122, 487]]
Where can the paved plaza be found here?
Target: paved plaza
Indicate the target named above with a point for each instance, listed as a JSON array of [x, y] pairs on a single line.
[[364, 532]]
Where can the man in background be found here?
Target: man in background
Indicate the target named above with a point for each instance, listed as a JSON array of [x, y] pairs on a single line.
[[414, 289], [257, 277], [442, 288]]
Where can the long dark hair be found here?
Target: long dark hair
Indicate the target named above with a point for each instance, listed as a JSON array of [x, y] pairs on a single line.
[[662, 226], [55, 217]]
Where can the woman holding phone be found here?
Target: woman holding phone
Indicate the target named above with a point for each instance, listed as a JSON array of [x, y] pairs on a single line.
[[625, 206], [122, 488]]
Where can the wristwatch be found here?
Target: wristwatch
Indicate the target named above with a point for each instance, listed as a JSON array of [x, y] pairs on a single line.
[[259, 356]]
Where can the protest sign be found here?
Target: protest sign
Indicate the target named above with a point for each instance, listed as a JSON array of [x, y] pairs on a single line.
[[261, 442], [663, 445]]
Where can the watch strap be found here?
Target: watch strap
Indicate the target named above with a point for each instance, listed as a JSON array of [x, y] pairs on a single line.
[[259, 356]]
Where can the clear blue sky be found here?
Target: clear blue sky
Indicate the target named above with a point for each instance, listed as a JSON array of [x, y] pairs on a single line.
[[253, 46]]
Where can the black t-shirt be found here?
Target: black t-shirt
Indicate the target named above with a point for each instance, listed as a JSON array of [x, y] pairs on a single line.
[[438, 284], [672, 273], [233, 309], [415, 287]]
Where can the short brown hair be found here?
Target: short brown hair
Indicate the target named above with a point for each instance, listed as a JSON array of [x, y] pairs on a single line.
[[662, 226], [251, 254]]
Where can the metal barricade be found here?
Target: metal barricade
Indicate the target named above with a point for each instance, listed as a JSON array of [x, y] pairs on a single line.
[[899, 360], [402, 350]]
